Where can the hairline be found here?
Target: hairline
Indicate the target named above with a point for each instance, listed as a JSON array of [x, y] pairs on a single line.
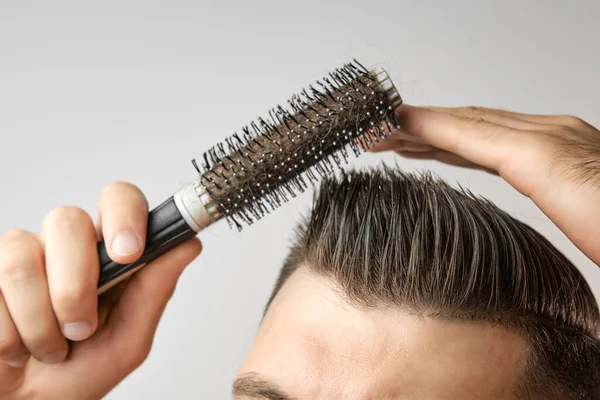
[[527, 353], [337, 204]]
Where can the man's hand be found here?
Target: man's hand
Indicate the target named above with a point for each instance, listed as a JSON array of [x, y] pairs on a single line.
[[58, 340], [554, 160]]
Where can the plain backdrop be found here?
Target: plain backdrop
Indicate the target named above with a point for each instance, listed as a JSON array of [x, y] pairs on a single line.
[[93, 92]]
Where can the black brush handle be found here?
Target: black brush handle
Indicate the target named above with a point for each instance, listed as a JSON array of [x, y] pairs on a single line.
[[166, 230]]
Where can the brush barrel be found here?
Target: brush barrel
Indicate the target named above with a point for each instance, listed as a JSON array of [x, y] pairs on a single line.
[[259, 168], [175, 221]]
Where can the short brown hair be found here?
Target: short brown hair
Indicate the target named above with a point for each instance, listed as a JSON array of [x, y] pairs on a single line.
[[387, 237]]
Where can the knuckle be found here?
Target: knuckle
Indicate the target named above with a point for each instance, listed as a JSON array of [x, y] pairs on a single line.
[[120, 190], [16, 235], [18, 251], [556, 138], [121, 186], [66, 217], [476, 121], [472, 109], [69, 297], [43, 339], [541, 142], [18, 264], [573, 121], [118, 185]]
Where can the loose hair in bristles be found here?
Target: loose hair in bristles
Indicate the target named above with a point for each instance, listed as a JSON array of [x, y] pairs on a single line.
[[273, 159], [391, 239]]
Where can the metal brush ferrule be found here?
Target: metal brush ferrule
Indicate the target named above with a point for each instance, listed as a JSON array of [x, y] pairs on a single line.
[[386, 84], [196, 206]]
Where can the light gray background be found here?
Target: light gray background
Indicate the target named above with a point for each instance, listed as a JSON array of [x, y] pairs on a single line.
[[92, 92]]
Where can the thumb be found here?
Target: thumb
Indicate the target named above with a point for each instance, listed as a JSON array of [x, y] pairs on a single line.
[[132, 324], [134, 320]]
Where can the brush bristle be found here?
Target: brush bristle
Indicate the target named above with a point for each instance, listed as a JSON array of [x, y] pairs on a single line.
[[273, 159]]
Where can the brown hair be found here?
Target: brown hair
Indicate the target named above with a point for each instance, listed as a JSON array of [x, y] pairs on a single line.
[[390, 238]]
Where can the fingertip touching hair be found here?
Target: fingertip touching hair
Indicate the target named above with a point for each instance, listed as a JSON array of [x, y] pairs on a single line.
[[411, 240]]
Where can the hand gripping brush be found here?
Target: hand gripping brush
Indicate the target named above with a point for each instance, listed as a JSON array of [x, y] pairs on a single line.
[[271, 160]]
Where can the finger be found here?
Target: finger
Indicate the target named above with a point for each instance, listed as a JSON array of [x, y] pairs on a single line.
[[72, 270], [25, 289], [12, 350], [376, 142], [521, 121], [497, 117], [550, 120], [477, 141], [446, 158], [400, 134], [438, 155], [391, 139], [124, 218], [398, 144], [142, 303]]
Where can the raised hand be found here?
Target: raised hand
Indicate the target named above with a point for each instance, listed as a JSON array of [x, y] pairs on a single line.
[[553, 159]]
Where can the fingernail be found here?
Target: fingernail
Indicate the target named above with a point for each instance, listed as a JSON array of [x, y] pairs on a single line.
[[18, 362], [77, 330], [54, 358], [125, 243]]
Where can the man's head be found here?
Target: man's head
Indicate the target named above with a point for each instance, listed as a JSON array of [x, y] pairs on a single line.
[[400, 287]]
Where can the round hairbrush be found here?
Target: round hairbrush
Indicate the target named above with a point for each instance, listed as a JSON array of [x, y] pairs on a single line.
[[271, 160]]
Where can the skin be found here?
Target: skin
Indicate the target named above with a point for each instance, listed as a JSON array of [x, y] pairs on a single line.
[[552, 159], [341, 352], [48, 278]]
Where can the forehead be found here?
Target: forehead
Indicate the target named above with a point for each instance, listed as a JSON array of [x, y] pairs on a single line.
[[315, 345]]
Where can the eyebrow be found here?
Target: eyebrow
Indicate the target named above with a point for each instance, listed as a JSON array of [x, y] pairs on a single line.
[[254, 386]]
